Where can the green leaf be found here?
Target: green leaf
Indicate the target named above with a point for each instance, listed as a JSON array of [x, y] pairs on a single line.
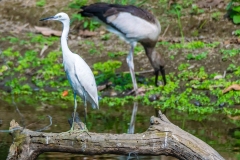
[[236, 8], [236, 19], [85, 24]]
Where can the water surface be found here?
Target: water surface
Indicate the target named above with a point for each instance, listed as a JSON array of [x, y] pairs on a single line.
[[213, 129]]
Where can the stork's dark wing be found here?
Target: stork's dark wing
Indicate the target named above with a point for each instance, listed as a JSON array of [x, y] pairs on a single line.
[[104, 10]]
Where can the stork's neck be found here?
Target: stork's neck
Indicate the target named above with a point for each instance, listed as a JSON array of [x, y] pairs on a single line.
[[149, 46], [64, 45]]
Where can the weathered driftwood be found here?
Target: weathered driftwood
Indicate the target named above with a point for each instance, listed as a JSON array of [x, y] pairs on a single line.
[[161, 138]]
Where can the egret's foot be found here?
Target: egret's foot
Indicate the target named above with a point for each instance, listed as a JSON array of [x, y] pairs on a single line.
[[67, 132], [77, 128], [81, 128]]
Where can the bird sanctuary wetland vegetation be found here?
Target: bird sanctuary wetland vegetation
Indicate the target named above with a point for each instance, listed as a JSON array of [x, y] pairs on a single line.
[[199, 42]]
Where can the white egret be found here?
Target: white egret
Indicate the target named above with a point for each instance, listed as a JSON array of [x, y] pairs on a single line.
[[78, 72]]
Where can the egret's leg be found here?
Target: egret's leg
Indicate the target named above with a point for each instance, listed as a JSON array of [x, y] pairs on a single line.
[[85, 109], [75, 109], [131, 68]]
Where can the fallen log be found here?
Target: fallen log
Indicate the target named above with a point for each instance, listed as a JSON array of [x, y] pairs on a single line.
[[161, 138]]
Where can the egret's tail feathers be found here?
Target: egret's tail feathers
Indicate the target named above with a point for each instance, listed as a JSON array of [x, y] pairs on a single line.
[[95, 106]]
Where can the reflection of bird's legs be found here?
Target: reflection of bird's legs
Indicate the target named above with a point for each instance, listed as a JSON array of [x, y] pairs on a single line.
[[131, 67], [133, 118], [75, 109]]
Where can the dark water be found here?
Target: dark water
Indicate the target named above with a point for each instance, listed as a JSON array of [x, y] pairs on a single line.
[[213, 129]]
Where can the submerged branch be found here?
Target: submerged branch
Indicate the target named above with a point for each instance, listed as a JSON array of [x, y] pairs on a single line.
[[161, 138]]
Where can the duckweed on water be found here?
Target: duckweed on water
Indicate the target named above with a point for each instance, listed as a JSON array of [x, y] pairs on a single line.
[[193, 91]]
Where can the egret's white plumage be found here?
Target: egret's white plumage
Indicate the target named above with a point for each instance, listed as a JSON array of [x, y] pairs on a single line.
[[78, 72]]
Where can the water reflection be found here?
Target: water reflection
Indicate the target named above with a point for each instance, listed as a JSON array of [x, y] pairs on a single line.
[[213, 129], [133, 118]]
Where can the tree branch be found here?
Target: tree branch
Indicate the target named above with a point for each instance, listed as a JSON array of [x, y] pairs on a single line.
[[161, 138]]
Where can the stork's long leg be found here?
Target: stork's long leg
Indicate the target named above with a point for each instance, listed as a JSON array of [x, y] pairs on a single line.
[[162, 70], [131, 68], [156, 77], [75, 109]]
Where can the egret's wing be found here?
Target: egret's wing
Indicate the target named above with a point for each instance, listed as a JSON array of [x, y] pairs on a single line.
[[86, 79]]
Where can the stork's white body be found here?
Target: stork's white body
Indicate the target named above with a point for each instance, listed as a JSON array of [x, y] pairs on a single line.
[[135, 28]]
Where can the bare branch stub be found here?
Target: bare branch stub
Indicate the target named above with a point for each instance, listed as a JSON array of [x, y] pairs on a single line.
[[161, 138]]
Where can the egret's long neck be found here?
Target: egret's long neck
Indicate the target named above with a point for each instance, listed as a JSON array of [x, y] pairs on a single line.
[[64, 45]]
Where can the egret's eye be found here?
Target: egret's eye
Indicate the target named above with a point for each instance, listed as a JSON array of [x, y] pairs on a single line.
[[59, 16]]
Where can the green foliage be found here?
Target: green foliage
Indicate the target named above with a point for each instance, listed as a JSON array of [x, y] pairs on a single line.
[[216, 15], [228, 53], [193, 45], [91, 25], [27, 61], [108, 67], [76, 17], [199, 56], [12, 39], [105, 37], [234, 11], [106, 70], [50, 72], [176, 10], [40, 3], [232, 68], [10, 53], [87, 23], [237, 71], [76, 4], [43, 40], [183, 66], [195, 10], [237, 32], [45, 72], [116, 54]]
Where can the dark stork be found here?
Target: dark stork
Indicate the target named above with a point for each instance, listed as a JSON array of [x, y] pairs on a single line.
[[133, 25]]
